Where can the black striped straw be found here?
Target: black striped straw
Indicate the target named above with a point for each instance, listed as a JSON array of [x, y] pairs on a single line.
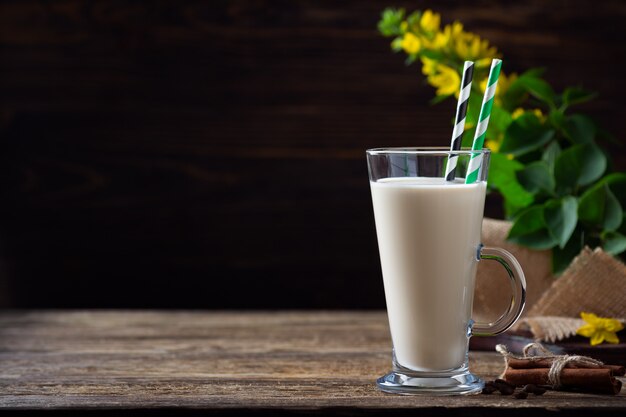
[[459, 122]]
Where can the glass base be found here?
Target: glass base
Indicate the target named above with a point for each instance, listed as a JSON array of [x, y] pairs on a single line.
[[460, 382]]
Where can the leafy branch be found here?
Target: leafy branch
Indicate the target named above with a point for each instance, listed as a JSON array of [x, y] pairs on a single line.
[[556, 181]]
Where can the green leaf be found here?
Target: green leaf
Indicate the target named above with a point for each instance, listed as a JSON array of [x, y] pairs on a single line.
[[617, 183], [473, 111], [576, 95], [557, 119], [396, 44], [414, 19], [534, 72], [614, 215], [510, 210], [599, 207], [468, 138], [439, 99], [411, 59], [434, 55], [579, 129], [561, 218], [502, 176], [578, 165], [536, 87], [530, 230], [525, 134], [390, 20], [613, 242], [535, 177], [499, 121], [562, 257], [517, 90], [550, 154]]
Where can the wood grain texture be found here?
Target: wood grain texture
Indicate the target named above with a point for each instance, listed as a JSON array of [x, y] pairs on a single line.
[[160, 146], [313, 363]]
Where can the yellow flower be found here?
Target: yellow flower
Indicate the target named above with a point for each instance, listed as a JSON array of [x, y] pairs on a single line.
[[520, 111], [494, 145], [517, 113], [483, 84], [411, 43], [429, 66], [439, 41], [467, 46], [483, 63], [488, 51], [446, 80], [470, 46], [456, 29], [430, 21], [599, 329]]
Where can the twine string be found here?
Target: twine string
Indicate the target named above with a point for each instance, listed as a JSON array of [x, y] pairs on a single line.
[[559, 362]]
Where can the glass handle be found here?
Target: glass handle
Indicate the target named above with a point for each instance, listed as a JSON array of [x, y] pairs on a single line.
[[518, 287]]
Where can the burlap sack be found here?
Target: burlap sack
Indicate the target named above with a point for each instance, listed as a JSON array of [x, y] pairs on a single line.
[[595, 282], [493, 290], [550, 328]]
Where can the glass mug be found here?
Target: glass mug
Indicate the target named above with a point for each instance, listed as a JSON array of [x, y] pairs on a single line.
[[429, 233]]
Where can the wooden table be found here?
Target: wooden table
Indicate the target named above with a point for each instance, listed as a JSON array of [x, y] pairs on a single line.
[[281, 363]]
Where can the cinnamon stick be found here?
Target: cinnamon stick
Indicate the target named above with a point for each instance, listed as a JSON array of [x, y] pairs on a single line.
[[599, 380], [531, 363]]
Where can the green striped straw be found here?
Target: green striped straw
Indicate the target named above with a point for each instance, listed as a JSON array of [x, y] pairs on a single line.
[[483, 121]]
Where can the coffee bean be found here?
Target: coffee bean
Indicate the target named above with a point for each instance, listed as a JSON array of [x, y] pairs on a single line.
[[521, 395], [489, 389], [534, 389], [504, 390], [503, 382], [504, 387]]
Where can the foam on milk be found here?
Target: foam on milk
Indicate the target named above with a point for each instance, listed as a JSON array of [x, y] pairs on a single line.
[[428, 233]]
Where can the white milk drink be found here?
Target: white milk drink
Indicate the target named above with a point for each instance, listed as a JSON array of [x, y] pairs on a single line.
[[428, 234]]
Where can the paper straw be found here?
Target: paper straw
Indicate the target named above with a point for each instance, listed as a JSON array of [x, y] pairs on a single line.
[[459, 121], [483, 121]]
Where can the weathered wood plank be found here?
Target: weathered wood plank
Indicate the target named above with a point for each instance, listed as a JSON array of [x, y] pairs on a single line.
[[293, 361]]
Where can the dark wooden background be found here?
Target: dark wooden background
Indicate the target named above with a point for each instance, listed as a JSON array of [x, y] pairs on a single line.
[[210, 154]]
